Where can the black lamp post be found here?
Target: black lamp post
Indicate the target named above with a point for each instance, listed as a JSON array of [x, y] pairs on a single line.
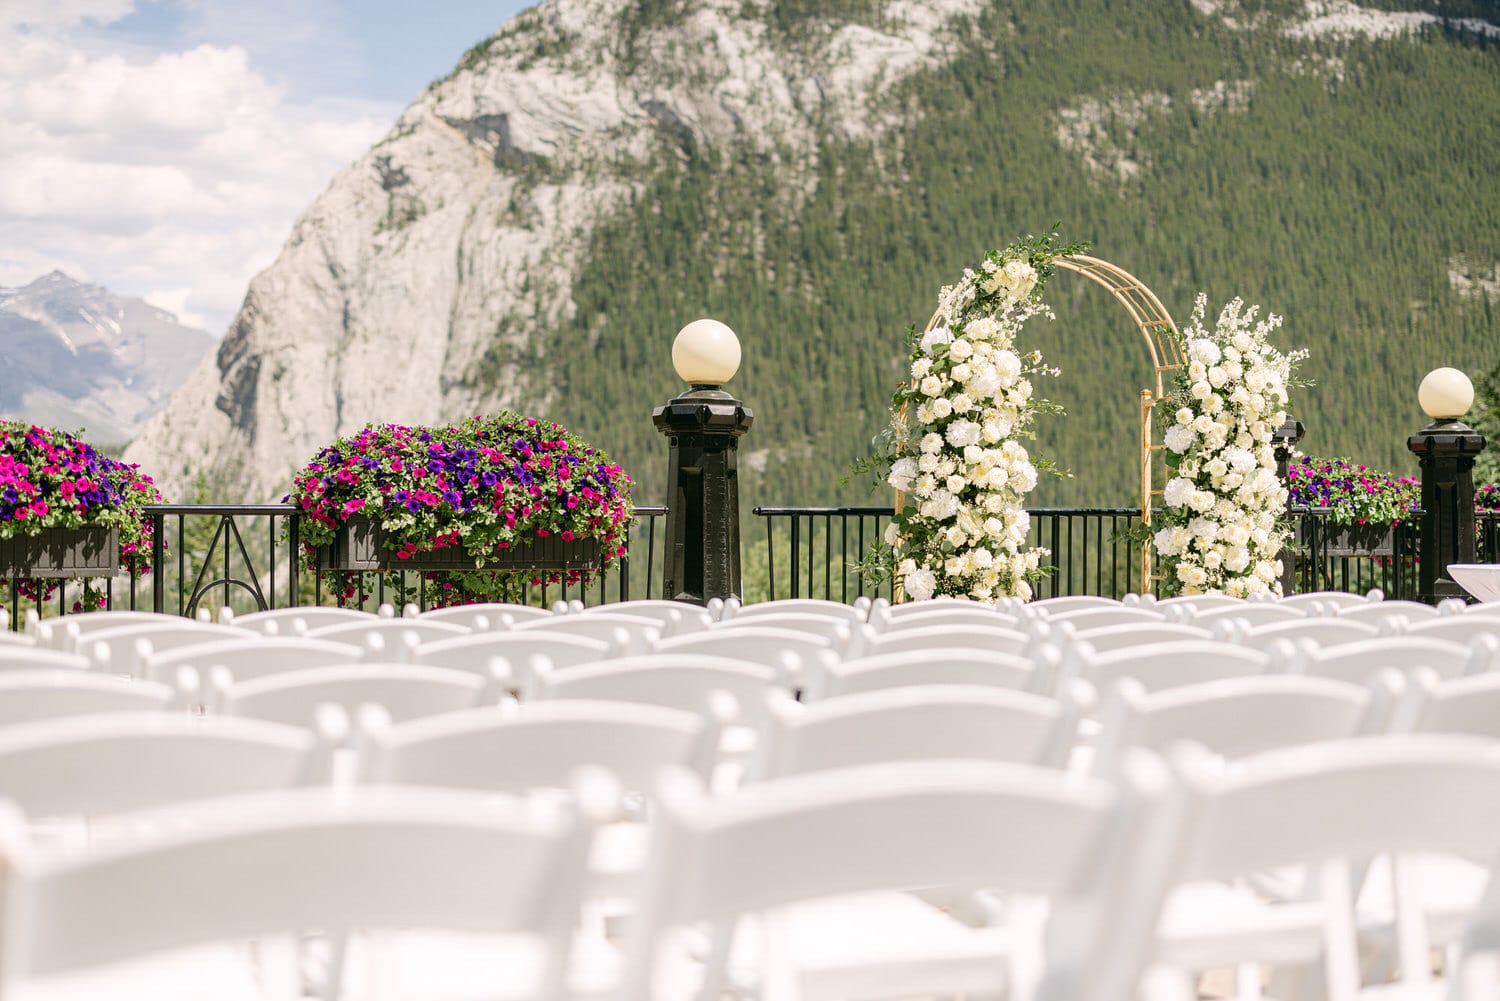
[[1445, 450], [703, 426], [1284, 441]]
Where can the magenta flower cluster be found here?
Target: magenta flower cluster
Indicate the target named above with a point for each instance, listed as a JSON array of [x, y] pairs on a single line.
[[51, 479], [1355, 494], [486, 484]]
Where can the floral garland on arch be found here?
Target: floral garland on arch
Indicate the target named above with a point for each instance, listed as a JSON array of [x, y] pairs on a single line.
[[954, 441], [1224, 524]]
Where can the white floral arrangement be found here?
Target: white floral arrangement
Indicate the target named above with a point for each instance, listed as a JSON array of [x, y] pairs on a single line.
[[1223, 525], [954, 445]]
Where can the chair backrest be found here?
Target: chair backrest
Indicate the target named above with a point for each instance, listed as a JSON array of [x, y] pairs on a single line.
[[971, 824], [1196, 604], [640, 631], [674, 616], [404, 691], [110, 762], [1163, 665], [513, 747], [1330, 599], [393, 631], [48, 693], [1235, 717], [917, 723], [67, 632], [1456, 628], [676, 681], [34, 658], [959, 666], [126, 649], [1064, 603], [251, 657], [10, 639], [833, 627], [1251, 613], [768, 645], [944, 614], [1123, 637], [486, 615], [299, 619], [798, 606], [478, 652], [1084, 619], [1356, 662], [999, 638], [294, 860], [1468, 705], [1324, 632], [1376, 612]]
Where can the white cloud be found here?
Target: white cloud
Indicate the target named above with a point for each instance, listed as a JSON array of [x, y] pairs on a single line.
[[174, 174]]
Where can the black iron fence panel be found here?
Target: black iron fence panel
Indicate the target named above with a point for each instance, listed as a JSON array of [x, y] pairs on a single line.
[[245, 557]]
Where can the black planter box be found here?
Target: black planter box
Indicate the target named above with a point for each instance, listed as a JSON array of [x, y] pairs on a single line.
[[1370, 539], [92, 551], [360, 545]]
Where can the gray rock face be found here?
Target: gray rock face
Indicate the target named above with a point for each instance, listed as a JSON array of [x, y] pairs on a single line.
[[75, 355], [414, 261]]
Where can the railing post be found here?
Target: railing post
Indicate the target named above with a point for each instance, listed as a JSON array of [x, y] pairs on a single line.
[[1445, 450], [1284, 441], [158, 563]]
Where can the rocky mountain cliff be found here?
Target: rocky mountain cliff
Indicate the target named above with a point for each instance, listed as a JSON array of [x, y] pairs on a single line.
[[536, 227], [76, 355], [424, 255]]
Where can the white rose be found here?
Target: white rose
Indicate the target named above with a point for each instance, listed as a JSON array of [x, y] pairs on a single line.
[[982, 559], [1217, 376], [1237, 560], [996, 428], [1202, 500], [956, 484], [1204, 350], [1192, 575], [961, 433], [960, 372], [1178, 438], [955, 536], [984, 382], [996, 478], [960, 349], [892, 534], [1216, 466], [1007, 366], [934, 337], [982, 329], [1178, 492], [941, 408], [1201, 391], [962, 404], [1165, 543], [931, 386], [1265, 571], [919, 584], [1023, 479]]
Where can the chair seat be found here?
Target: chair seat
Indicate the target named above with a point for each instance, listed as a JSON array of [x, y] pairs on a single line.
[[1206, 925], [445, 966], [220, 972]]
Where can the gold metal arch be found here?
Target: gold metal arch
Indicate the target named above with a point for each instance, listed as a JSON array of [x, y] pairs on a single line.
[[1164, 345]]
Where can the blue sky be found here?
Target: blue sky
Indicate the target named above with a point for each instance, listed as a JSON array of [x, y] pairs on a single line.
[[163, 148]]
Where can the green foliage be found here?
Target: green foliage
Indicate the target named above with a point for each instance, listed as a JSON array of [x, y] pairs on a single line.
[[1335, 193], [1485, 418]]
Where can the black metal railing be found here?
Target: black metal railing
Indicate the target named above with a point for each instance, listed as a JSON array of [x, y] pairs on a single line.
[[245, 557]]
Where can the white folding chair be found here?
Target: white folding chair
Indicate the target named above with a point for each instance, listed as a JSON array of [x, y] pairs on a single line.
[[68, 631], [9, 639], [251, 657], [881, 607], [487, 615], [300, 619], [1124, 637], [112, 762], [36, 658], [675, 680], [837, 629], [1065, 603], [797, 857], [675, 616], [1328, 806], [922, 722], [958, 666], [156, 918], [1162, 665], [48, 693], [1324, 632], [1356, 662], [404, 691], [482, 653], [1188, 606], [126, 649]]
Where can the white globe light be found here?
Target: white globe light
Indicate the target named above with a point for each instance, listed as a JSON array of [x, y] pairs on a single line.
[[1445, 393], [706, 353]]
